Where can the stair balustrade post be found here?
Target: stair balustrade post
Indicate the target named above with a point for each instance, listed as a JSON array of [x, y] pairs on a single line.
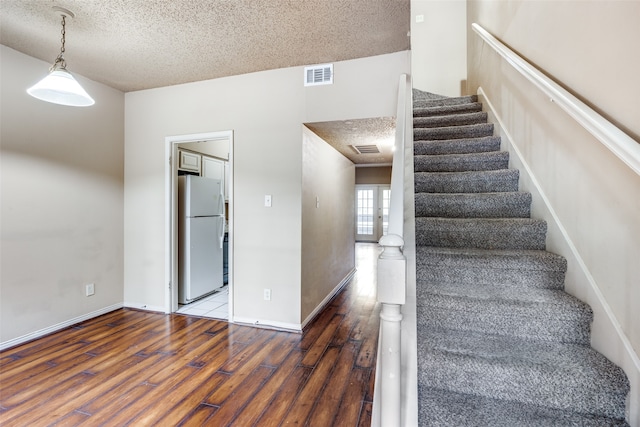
[[391, 289]]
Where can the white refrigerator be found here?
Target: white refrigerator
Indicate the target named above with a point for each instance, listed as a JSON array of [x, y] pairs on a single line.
[[200, 236]]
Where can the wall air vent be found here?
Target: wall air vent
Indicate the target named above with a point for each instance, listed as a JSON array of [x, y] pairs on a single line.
[[315, 75], [366, 149]]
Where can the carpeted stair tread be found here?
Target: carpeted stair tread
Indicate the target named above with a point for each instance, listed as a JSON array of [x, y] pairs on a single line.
[[426, 103], [498, 180], [457, 146], [507, 259], [498, 294], [443, 408], [482, 233], [451, 132], [559, 375], [485, 269], [450, 120], [462, 162], [542, 316], [443, 110], [473, 205]]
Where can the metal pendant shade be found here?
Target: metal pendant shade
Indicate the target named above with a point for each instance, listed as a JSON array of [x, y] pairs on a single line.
[[59, 86]]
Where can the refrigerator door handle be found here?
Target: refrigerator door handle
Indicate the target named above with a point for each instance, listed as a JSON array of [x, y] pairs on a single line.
[[221, 203], [221, 233]]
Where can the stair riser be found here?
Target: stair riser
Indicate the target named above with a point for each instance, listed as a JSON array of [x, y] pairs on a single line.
[[493, 205], [460, 164], [466, 182], [512, 323], [481, 234], [534, 384], [453, 132], [441, 408], [487, 277], [447, 110], [462, 146], [451, 120], [418, 103], [446, 239]]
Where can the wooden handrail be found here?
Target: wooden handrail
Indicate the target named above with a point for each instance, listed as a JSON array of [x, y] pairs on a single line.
[[618, 142]]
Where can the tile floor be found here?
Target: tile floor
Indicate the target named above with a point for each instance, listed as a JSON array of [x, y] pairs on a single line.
[[215, 305]]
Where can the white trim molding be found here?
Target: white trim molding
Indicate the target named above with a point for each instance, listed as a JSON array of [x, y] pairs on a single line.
[[58, 327], [328, 298]]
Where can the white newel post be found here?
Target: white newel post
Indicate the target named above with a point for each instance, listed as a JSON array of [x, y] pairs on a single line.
[[392, 295]]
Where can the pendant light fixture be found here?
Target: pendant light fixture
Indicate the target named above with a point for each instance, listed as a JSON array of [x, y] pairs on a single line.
[[59, 86]]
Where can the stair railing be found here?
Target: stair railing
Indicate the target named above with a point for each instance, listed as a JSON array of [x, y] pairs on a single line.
[[618, 142], [392, 273]]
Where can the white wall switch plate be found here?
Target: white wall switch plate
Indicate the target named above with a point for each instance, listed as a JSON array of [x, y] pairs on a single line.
[[267, 294], [267, 201]]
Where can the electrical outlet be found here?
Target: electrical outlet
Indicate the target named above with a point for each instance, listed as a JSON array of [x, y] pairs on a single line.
[[267, 294], [90, 289]]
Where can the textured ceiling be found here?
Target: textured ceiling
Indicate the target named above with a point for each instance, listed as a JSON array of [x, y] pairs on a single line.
[[141, 44], [343, 135]]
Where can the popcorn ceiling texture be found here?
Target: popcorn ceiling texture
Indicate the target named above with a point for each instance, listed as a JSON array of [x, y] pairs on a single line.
[[141, 44], [343, 134]]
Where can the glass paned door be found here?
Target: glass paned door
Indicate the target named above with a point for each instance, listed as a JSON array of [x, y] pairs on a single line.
[[372, 212]]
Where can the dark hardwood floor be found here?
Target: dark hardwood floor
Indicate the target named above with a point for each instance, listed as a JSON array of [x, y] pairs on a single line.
[[138, 368]]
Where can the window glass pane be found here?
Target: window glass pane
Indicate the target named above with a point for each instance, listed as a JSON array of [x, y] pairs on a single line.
[[364, 212], [386, 197]]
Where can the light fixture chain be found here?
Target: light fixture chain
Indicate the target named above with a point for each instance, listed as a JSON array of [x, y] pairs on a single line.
[[60, 62], [63, 34]]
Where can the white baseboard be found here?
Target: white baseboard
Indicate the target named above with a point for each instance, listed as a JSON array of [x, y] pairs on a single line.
[[145, 307], [294, 327], [57, 327], [329, 297], [621, 353], [268, 324]]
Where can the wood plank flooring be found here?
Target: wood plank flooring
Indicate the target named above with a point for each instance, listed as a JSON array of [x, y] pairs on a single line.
[[137, 368]]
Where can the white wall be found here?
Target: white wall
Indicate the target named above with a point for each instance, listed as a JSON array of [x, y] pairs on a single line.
[[328, 221], [587, 195], [439, 46], [265, 110], [62, 178]]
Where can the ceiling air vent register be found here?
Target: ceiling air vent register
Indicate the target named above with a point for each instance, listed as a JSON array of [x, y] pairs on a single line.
[[366, 149], [315, 75]]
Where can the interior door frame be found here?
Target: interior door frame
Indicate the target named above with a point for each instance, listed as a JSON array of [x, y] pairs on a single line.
[[171, 219]]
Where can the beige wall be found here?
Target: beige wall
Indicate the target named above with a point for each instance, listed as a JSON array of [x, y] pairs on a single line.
[[587, 195], [587, 46], [328, 221], [439, 46], [265, 111], [373, 175], [62, 203]]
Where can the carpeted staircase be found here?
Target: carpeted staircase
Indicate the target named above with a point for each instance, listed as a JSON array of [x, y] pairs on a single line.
[[499, 341]]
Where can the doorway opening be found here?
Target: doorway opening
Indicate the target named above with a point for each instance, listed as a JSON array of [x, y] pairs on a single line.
[[207, 155], [372, 212]]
